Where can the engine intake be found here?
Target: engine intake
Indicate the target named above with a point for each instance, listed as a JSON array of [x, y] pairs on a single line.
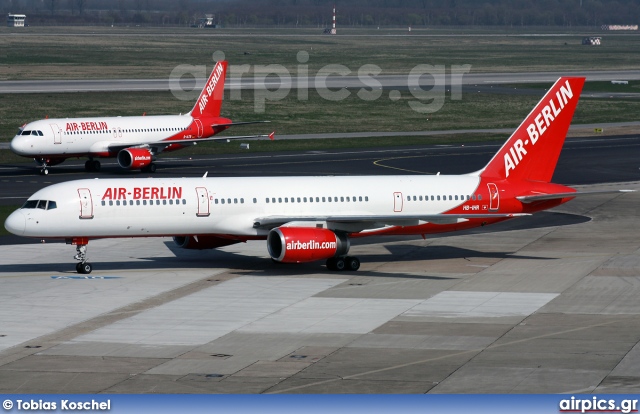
[[305, 244], [134, 158]]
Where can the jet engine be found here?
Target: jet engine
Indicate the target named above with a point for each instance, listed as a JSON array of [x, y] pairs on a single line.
[[135, 158], [202, 242], [305, 244]]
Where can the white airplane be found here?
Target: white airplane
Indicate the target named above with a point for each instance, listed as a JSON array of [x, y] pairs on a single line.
[[305, 219], [133, 140]]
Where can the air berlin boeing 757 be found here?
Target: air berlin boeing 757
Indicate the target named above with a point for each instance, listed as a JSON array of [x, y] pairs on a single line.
[[305, 219], [133, 140]]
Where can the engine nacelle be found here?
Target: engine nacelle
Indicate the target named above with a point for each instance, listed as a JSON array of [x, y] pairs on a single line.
[[305, 244], [134, 158], [202, 242]]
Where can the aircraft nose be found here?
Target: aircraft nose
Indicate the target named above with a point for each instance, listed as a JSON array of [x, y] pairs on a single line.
[[19, 145], [16, 223]]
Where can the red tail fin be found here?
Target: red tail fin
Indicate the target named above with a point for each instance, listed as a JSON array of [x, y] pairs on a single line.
[[210, 100], [532, 151]]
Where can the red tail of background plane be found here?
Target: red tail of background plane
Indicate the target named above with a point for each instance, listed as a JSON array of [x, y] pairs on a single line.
[[532, 151], [210, 100]]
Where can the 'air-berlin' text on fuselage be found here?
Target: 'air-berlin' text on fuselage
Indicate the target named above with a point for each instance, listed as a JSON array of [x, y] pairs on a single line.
[[142, 193], [208, 90], [86, 126], [537, 128]]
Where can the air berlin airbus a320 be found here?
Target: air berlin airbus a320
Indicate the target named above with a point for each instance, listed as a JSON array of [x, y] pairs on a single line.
[[133, 140], [305, 219]]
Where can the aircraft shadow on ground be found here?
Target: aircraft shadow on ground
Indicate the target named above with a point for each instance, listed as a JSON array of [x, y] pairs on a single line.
[[255, 265]]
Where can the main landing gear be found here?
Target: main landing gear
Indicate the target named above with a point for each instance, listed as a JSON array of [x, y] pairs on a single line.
[[151, 168], [343, 263], [83, 267], [92, 165]]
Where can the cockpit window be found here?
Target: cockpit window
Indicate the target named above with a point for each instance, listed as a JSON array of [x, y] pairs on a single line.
[[34, 132], [41, 204], [40, 133], [30, 204], [26, 132]]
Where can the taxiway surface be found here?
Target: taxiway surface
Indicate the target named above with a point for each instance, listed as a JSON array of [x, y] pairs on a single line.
[[294, 82], [587, 160], [542, 304]]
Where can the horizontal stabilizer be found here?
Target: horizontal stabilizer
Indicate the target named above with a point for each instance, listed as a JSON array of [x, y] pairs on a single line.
[[239, 123], [555, 196]]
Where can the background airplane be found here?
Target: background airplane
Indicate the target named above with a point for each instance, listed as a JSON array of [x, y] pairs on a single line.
[[305, 219], [133, 140]]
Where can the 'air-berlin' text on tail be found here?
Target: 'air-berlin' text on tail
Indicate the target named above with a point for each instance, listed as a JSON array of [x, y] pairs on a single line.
[[532, 151], [210, 100]]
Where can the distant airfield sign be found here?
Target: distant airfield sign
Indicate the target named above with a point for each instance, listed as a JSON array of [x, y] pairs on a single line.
[[592, 41], [619, 27]]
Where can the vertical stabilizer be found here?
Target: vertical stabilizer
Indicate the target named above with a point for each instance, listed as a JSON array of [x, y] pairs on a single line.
[[532, 151], [209, 102]]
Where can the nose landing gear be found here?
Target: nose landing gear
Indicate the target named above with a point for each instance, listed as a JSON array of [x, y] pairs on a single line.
[[83, 267], [43, 163]]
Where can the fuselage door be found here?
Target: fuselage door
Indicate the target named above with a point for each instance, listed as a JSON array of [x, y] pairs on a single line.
[[397, 202], [203, 202], [494, 197], [86, 204], [57, 139], [199, 126]]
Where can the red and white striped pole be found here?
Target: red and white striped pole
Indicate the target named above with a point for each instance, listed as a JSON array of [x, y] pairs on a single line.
[[333, 27]]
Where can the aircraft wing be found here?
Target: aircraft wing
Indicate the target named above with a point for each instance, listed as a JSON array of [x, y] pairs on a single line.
[[555, 196], [353, 223], [158, 147]]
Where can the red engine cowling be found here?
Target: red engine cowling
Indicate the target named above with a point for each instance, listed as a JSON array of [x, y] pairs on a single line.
[[134, 158], [305, 244], [202, 242]]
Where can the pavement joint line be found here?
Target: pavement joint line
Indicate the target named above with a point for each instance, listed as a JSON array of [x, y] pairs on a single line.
[[50, 340], [471, 351]]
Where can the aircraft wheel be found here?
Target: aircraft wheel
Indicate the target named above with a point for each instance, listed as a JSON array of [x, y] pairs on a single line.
[[88, 166], [340, 264], [151, 168], [96, 165], [85, 268], [44, 171], [352, 263], [78, 267]]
